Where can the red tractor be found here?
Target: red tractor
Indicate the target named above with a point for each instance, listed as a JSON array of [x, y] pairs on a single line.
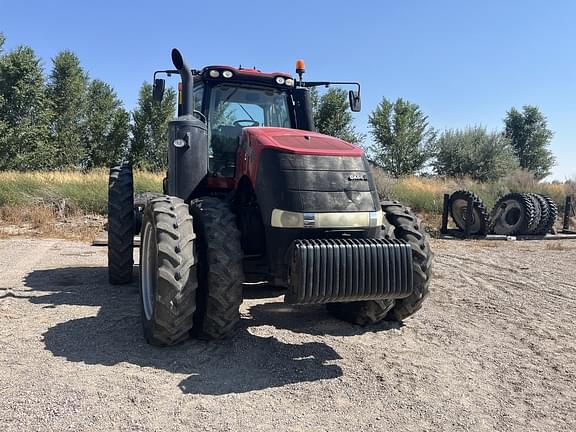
[[253, 193]]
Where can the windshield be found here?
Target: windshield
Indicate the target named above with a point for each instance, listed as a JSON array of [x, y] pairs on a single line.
[[233, 108]]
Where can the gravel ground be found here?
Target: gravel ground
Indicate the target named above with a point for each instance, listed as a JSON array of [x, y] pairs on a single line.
[[493, 349]]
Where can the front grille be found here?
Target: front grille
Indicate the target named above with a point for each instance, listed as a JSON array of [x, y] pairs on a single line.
[[311, 183], [343, 270]]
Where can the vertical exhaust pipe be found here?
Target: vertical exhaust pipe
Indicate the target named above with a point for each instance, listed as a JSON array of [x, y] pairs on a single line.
[[187, 83], [187, 141]]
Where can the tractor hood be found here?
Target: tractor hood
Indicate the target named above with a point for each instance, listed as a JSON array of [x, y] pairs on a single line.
[[298, 141]]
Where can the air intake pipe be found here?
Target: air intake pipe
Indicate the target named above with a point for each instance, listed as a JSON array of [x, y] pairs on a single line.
[[187, 84]]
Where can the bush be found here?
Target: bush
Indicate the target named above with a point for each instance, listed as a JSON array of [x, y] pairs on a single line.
[[474, 152]]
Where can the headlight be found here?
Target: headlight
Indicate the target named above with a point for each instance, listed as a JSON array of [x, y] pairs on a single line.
[[179, 143], [289, 82], [214, 73], [280, 80], [287, 219], [227, 74]]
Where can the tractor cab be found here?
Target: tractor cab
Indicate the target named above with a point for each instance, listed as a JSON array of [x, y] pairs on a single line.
[[230, 99]]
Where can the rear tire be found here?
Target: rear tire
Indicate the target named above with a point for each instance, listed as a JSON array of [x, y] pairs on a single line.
[[540, 213], [168, 281], [120, 224], [400, 223], [458, 205], [220, 269], [513, 214], [552, 213], [547, 224]]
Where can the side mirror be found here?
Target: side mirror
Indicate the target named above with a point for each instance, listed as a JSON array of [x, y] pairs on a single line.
[[355, 102], [158, 90]]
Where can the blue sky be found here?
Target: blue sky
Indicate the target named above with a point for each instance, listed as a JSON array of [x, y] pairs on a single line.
[[463, 62]]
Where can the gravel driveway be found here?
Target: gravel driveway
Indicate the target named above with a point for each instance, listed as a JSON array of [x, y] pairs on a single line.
[[493, 349]]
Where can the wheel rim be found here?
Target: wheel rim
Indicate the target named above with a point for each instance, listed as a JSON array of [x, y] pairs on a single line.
[[148, 285], [512, 214]]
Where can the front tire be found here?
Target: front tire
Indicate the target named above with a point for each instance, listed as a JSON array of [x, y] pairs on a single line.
[[220, 271], [400, 223], [168, 281]]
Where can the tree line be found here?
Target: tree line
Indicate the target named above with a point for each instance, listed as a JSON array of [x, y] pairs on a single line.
[[69, 121], [404, 142]]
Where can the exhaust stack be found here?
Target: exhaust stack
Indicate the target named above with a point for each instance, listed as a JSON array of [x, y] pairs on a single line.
[[187, 141], [187, 84]]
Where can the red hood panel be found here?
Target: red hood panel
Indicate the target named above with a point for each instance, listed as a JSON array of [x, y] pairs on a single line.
[[301, 142]]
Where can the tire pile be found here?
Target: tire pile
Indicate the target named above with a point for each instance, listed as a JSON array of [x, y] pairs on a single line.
[[513, 214]]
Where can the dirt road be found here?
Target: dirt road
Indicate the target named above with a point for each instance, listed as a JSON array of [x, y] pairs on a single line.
[[493, 349]]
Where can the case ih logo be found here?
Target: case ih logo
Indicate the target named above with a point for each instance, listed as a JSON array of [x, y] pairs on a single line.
[[357, 177]]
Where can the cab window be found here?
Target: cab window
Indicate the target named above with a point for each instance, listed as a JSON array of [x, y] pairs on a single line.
[[233, 108]]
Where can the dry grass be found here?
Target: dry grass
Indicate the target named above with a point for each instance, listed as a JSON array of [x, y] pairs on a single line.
[[426, 194], [45, 221], [52, 204], [66, 204], [62, 204], [85, 192]]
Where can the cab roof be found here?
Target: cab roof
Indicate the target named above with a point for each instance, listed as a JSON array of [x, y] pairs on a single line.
[[245, 71]]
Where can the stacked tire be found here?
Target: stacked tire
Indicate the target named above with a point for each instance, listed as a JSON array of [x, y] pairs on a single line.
[[458, 206], [523, 214]]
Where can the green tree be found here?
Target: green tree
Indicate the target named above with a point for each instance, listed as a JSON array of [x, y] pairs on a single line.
[[3, 125], [105, 127], [403, 139], [332, 115], [150, 128], [67, 93], [24, 113], [474, 152], [530, 137]]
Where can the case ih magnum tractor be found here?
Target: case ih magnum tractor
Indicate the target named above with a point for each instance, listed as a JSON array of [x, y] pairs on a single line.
[[253, 193]]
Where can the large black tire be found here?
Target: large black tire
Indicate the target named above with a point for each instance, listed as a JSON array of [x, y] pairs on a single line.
[[400, 223], [458, 205], [514, 214], [533, 226], [120, 224], [544, 212], [168, 280], [549, 218], [220, 269]]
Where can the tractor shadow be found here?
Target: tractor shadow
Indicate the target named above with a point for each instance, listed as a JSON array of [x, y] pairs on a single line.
[[312, 320], [307, 319], [241, 364]]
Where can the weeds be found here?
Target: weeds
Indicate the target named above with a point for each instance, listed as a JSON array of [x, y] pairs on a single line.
[[46, 221], [47, 202], [426, 194], [85, 192]]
